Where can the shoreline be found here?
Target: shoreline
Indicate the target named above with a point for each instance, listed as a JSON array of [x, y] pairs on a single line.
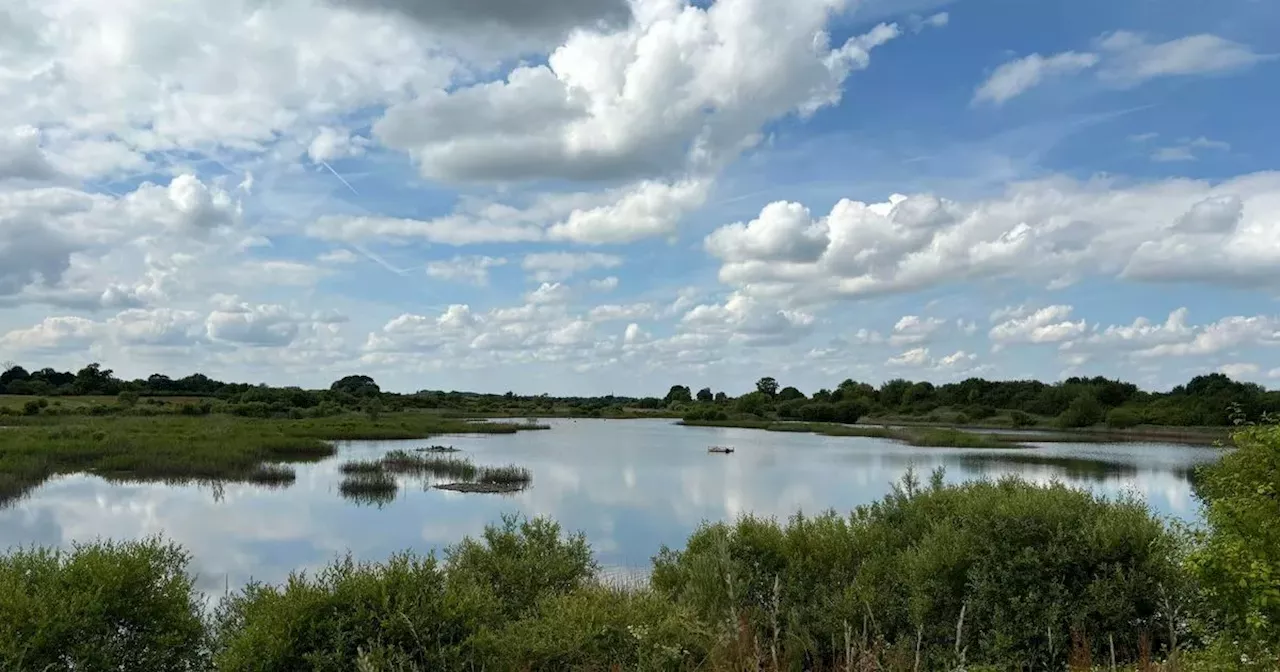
[[937, 435]]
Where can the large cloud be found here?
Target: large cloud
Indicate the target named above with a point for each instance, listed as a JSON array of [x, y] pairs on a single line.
[[111, 82], [1057, 229], [679, 90], [73, 248]]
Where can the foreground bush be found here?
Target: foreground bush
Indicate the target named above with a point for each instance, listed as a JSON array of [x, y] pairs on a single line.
[[403, 610], [602, 628], [108, 606], [407, 613], [1238, 564], [1028, 566]]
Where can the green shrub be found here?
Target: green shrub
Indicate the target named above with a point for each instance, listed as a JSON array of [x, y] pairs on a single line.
[[850, 412], [31, 407], [403, 611], [127, 399], [522, 561], [818, 412], [1028, 565], [705, 413], [1123, 418], [104, 606], [601, 628], [1083, 411], [1021, 419], [1239, 562]]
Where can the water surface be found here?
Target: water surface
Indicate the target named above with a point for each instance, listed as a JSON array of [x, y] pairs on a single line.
[[630, 485]]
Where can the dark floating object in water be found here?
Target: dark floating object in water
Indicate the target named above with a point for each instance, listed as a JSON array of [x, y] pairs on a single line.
[[491, 488], [720, 449], [437, 449]]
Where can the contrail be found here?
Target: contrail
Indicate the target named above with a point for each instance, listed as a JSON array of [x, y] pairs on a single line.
[[379, 260], [340, 178], [360, 248]]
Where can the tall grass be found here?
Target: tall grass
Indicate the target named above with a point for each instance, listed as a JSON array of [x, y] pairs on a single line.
[[361, 467], [376, 487], [507, 475], [403, 462]]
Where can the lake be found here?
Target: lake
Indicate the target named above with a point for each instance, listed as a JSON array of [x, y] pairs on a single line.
[[630, 485]]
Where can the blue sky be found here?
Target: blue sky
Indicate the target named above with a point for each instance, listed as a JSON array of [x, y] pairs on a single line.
[[620, 196]]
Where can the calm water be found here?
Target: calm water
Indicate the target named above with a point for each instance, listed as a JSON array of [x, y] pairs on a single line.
[[630, 485]]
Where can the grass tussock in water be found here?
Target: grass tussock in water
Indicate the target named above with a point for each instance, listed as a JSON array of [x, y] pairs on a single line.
[[175, 448], [361, 467], [507, 475], [375, 487], [403, 462]]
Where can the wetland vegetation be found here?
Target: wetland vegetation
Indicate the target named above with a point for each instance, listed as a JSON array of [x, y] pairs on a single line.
[[179, 448], [982, 575], [991, 575]]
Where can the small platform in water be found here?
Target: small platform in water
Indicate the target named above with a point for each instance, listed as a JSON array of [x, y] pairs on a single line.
[[720, 449]]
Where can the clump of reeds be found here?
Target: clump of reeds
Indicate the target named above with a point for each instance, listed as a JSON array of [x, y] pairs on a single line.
[[362, 467], [403, 462], [508, 475], [369, 486]]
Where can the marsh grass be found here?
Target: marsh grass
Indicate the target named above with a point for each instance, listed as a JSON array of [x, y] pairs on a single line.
[[175, 448], [369, 487], [404, 462], [507, 475], [362, 467]]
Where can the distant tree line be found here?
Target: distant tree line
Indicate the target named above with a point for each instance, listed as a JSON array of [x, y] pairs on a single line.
[[1074, 402]]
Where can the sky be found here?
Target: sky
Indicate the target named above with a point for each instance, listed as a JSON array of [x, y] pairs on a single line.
[[615, 196]]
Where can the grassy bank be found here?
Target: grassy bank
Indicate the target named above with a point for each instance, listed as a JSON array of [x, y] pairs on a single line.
[[931, 437], [1047, 433], [179, 448], [982, 576]]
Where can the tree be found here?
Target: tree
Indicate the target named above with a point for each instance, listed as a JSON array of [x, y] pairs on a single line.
[[705, 394], [360, 386], [753, 403], [678, 393], [894, 392], [789, 394], [767, 386], [721, 397], [849, 412], [13, 373], [93, 378], [1084, 411]]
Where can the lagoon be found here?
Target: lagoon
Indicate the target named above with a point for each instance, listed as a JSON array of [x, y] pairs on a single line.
[[630, 485]]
